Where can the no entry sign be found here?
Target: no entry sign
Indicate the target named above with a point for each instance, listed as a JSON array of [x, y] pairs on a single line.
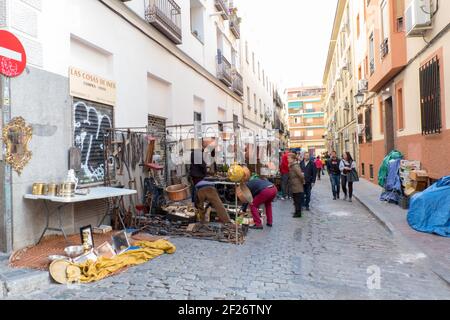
[[13, 58]]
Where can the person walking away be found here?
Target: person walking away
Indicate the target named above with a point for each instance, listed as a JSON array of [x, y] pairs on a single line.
[[335, 174], [263, 192], [309, 170], [284, 171], [297, 182], [319, 167], [347, 165]]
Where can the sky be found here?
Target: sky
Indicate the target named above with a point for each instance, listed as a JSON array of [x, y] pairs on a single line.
[[292, 37]]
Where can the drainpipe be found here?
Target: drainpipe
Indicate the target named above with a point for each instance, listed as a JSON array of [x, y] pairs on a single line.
[[5, 103]]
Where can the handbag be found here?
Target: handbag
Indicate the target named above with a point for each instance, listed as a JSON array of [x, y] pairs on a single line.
[[353, 176]]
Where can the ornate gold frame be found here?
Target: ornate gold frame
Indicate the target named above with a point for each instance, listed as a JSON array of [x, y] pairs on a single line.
[[17, 162]]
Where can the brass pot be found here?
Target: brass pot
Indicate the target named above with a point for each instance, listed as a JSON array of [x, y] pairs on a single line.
[[178, 192], [67, 189], [52, 190], [39, 189]]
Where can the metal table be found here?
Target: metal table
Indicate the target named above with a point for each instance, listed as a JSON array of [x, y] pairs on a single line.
[[98, 193]]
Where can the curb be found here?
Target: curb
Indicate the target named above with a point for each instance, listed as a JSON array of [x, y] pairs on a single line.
[[435, 267], [19, 282], [386, 224]]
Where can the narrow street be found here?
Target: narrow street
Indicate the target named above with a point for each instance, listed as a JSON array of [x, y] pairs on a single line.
[[325, 255]]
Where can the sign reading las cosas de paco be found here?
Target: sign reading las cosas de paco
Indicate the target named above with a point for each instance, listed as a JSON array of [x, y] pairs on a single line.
[[92, 87]]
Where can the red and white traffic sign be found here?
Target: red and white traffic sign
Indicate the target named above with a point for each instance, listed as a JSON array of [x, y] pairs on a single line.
[[13, 58]]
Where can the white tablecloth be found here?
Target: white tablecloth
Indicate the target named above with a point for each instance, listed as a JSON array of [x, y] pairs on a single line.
[[95, 194]]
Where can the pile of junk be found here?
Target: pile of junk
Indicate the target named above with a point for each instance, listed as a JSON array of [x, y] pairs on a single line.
[[407, 184]]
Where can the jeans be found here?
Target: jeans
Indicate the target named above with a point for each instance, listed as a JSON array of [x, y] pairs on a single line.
[[335, 184], [298, 202], [265, 197], [345, 181], [285, 185], [319, 173], [307, 195]]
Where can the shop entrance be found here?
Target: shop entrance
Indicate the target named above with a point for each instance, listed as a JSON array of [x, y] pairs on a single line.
[[389, 125]]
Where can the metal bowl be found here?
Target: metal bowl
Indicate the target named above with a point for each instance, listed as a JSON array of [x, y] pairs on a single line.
[[57, 257], [74, 251]]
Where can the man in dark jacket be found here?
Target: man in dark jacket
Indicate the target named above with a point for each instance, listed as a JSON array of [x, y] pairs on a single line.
[[309, 170]]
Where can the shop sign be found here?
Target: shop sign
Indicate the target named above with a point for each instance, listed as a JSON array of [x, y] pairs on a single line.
[[92, 87], [13, 58]]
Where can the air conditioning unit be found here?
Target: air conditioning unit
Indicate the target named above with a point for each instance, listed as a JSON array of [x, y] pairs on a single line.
[[363, 85], [418, 18]]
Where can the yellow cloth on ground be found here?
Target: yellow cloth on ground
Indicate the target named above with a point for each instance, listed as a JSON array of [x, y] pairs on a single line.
[[94, 271]]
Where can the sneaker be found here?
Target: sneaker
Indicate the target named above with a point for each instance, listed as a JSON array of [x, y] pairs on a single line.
[[269, 225], [350, 200], [334, 198], [307, 209], [345, 198], [298, 215], [255, 227]]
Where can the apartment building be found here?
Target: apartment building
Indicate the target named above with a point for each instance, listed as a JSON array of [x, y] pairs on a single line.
[[130, 63], [402, 101], [307, 121], [341, 83]]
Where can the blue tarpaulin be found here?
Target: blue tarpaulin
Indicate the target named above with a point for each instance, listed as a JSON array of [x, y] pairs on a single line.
[[393, 185], [430, 210]]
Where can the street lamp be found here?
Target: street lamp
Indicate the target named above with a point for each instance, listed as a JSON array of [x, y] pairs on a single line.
[[359, 98]]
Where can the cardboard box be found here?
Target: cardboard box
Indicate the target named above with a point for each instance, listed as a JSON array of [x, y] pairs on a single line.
[[420, 186], [102, 229], [419, 175], [410, 164]]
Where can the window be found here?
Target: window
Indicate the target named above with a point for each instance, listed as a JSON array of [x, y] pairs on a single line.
[[359, 73], [310, 120], [371, 54], [297, 133], [430, 97], [197, 23], [399, 12], [260, 107], [253, 62], [310, 133], [248, 98], [295, 120], [91, 124], [368, 123], [259, 71], [363, 169], [358, 27], [400, 111], [372, 173], [246, 52], [309, 106], [385, 25], [381, 109]]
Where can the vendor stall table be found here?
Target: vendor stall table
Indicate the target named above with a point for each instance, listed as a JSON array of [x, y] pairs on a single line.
[[98, 193]]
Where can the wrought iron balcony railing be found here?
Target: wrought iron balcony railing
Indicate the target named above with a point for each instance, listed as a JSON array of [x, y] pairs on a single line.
[[222, 5], [235, 25], [384, 48], [165, 15], [224, 72], [238, 83]]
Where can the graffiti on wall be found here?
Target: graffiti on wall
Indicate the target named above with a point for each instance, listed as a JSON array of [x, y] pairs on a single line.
[[91, 124]]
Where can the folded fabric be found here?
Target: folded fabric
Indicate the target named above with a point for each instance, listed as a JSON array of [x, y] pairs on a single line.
[[94, 271]]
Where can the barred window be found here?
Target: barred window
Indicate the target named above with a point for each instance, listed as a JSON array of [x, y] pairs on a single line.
[[430, 97]]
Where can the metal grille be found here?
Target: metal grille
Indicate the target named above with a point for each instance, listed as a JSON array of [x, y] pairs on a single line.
[[430, 97], [91, 122]]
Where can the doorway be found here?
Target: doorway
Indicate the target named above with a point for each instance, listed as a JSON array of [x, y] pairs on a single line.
[[389, 125]]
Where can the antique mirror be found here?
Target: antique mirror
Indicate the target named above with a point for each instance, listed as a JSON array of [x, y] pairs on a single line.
[[16, 136]]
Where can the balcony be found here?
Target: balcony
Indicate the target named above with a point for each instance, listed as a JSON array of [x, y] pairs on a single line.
[[384, 48], [238, 83], [222, 5], [224, 72], [235, 25], [165, 15]]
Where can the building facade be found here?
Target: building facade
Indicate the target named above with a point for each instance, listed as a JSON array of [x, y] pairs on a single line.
[[341, 83], [307, 121], [405, 69], [113, 64]]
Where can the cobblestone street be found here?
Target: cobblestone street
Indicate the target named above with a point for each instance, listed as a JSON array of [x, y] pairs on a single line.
[[325, 255]]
